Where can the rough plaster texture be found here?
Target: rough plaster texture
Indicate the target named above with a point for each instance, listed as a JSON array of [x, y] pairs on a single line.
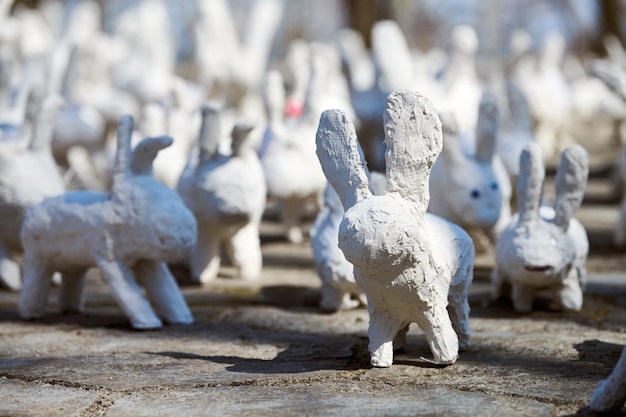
[[129, 234], [472, 191], [545, 248], [28, 175], [227, 196], [412, 266]]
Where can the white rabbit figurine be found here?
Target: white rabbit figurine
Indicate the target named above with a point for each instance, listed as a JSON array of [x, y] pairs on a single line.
[[545, 248], [472, 191], [28, 175], [413, 266], [227, 196], [129, 233]]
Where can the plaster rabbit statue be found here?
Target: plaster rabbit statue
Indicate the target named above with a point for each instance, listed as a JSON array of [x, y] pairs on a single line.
[[227, 196], [472, 191], [129, 233], [292, 171], [545, 248], [413, 266], [28, 175], [339, 288]]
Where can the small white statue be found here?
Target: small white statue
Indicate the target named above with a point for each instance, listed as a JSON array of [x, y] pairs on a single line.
[[28, 175], [413, 266], [610, 394], [545, 248], [227, 196], [472, 191], [129, 233], [339, 288]]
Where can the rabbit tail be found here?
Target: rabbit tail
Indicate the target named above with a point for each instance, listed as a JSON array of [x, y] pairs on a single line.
[[413, 136], [570, 183], [342, 158]]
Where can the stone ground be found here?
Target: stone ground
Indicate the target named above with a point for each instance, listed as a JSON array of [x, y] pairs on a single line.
[[265, 348]]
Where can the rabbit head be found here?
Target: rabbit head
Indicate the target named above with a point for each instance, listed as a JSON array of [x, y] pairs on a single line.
[[472, 179], [542, 251]]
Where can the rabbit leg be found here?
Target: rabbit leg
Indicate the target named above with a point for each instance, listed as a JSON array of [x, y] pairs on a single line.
[[205, 259], [570, 295], [497, 281], [619, 237], [610, 394], [162, 290], [458, 305], [290, 213], [399, 342], [245, 251], [523, 296], [382, 330], [335, 298], [34, 293], [72, 288], [443, 341], [9, 271], [129, 295]]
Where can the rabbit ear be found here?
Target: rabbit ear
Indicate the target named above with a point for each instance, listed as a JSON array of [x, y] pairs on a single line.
[[451, 140], [144, 153], [43, 128], [240, 134], [486, 128], [121, 164], [210, 130], [342, 158], [274, 96], [570, 183], [530, 183], [414, 141]]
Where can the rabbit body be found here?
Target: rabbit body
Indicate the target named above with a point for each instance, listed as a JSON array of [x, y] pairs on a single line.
[[227, 196], [545, 248], [413, 267], [129, 233]]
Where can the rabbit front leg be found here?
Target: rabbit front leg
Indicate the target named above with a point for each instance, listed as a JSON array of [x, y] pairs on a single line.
[[205, 258], [245, 251], [399, 342], [34, 293], [619, 237], [570, 295], [335, 298], [441, 337], [290, 213], [163, 291], [9, 271], [129, 295], [523, 296], [458, 305], [382, 330], [72, 289]]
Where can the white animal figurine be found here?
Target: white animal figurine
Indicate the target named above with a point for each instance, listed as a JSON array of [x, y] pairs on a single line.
[[129, 233], [472, 191], [292, 171], [227, 196], [610, 394], [339, 288], [413, 266], [28, 175], [545, 248]]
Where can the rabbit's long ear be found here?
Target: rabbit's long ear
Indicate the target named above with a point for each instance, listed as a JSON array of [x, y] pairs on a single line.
[[144, 153], [46, 118], [486, 128], [452, 150], [121, 164], [570, 183], [210, 130], [342, 158], [392, 55], [241, 136], [274, 96], [530, 183], [414, 141]]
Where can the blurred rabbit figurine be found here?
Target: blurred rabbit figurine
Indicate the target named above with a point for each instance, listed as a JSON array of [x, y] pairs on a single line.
[[413, 266], [610, 394], [227, 196], [28, 175], [129, 233], [472, 191], [545, 248], [339, 288]]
